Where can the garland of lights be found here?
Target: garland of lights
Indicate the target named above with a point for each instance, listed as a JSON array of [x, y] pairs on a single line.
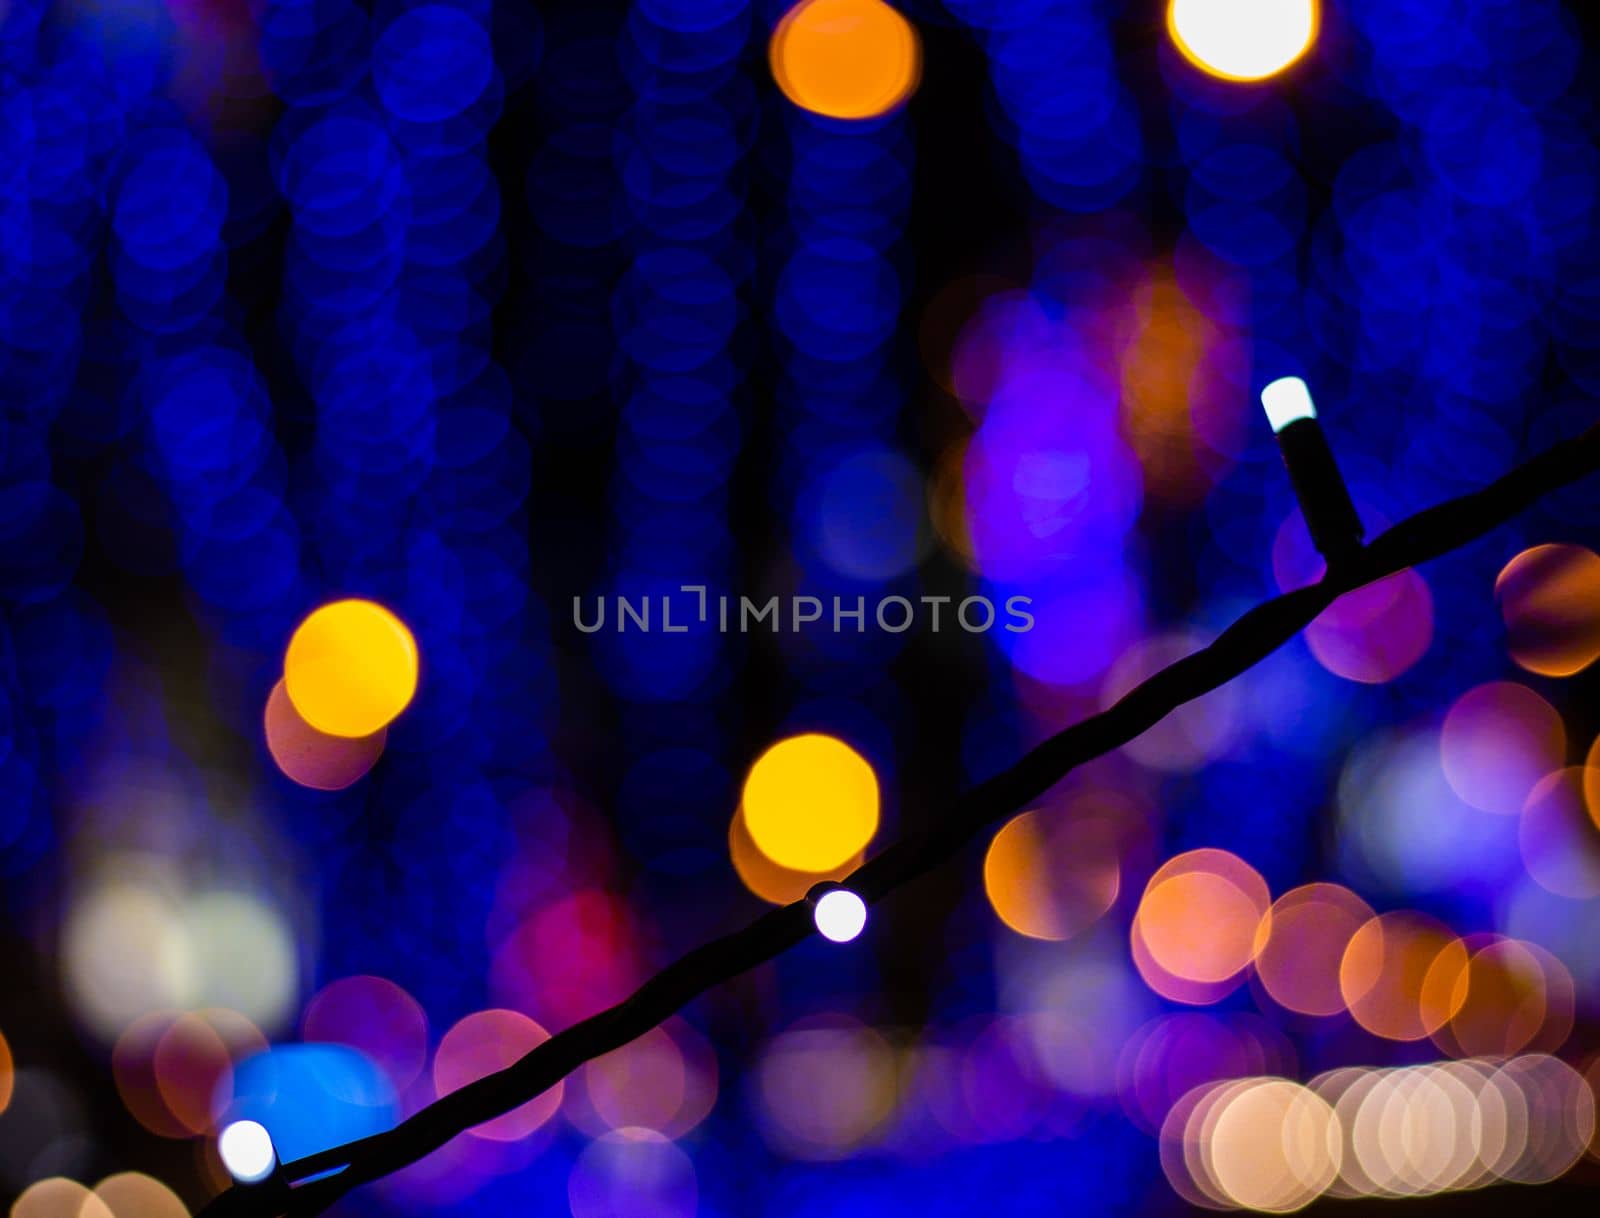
[[267, 1189]]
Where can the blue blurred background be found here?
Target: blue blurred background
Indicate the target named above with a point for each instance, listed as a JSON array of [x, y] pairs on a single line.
[[478, 308]]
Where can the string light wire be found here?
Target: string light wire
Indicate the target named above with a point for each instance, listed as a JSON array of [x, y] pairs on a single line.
[[1427, 535]]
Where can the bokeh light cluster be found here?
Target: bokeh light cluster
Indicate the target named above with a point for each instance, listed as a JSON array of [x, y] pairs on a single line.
[[839, 292], [123, 1195], [1274, 1146], [668, 359], [1205, 925], [1060, 100]]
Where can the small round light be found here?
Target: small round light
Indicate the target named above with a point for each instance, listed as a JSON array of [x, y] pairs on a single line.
[[246, 1150], [840, 915]]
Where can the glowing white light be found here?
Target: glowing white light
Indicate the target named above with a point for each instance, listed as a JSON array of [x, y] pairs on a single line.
[[139, 943], [246, 1150], [840, 915], [1243, 39], [1287, 400]]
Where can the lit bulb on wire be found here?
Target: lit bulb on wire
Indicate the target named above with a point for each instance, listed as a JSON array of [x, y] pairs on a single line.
[[247, 1151], [1335, 527], [840, 914]]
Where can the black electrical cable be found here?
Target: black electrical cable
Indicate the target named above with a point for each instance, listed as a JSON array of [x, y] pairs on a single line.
[[1427, 535]]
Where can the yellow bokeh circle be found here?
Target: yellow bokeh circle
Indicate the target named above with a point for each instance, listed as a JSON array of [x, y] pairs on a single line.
[[850, 59], [811, 803], [351, 668]]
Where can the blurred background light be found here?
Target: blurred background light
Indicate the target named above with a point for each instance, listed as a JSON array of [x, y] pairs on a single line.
[[1274, 1147], [58, 1197], [1003, 1095], [1181, 375], [665, 1081], [1371, 635], [1300, 946], [578, 953], [1399, 974], [846, 59], [1404, 1134], [633, 1171], [1402, 826], [1166, 1058], [123, 955], [1548, 597], [244, 955], [1515, 996], [1243, 40], [375, 1017], [825, 1087], [1498, 740], [308, 1098], [192, 1065], [351, 668], [1560, 843], [810, 802], [483, 1043], [1591, 781], [311, 758], [1271, 1145], [868, 515], [133, 1065], [8, 1073], [135, 1195], [1531, 913], [1050, 874], [1193, 734], [431, 63], [1561, 1116], [766, 879], [1185, 1143], [1199, 923]]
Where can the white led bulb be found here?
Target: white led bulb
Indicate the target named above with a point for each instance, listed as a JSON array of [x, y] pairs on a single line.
[[247, 1151], [1288, 400], [840, 915]]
